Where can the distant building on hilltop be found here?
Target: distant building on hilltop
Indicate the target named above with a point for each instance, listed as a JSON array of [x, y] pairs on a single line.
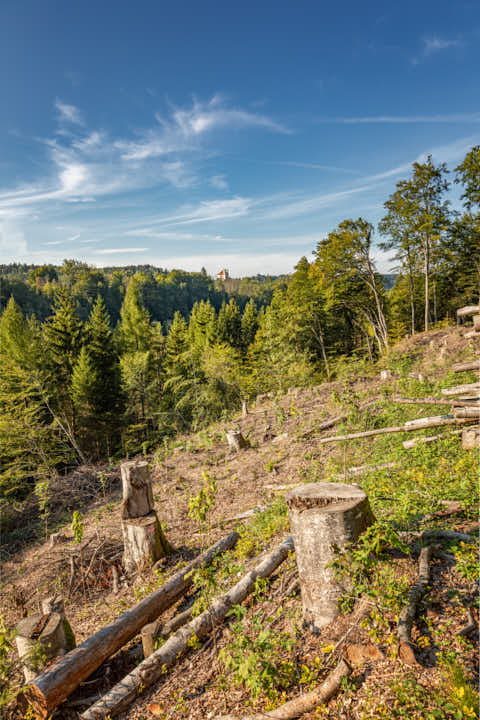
[[223, 275]]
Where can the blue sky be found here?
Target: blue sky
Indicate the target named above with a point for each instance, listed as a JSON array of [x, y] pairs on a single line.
[[221, 134]]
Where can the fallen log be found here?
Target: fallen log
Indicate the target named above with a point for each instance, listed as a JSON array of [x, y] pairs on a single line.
[[409, 444], [420, 401], [153, 668], [304, 703], [468, 365], [466, 412], [56, 682], [324, 426], [406, 617], [155, 630], [467, 310], [438, 421], [462, 389], [471, 625]]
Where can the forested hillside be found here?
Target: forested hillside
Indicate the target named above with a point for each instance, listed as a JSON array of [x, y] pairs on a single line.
[[97, 364]]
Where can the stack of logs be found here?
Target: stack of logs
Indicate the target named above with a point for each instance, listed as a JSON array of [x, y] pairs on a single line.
[[469, 311], [143, 538]]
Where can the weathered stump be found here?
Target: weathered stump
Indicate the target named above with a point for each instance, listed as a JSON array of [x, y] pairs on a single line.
[[137, 489], [476, 323], [324, 516], [471, 438], [244, 408], [56, 604], [236, 441], [40, 638], [144, 541]]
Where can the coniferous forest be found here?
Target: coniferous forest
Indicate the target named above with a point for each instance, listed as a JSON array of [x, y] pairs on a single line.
[[105, 363]]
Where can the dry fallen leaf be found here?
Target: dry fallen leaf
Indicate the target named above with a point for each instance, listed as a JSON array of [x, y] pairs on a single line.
[[155, 709]]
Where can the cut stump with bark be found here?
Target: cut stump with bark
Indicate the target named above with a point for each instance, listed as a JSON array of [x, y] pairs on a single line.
[[144, 542], [323, 516], [471, 438], [40, 638], [56, 604], [236, 441], [137, 489]]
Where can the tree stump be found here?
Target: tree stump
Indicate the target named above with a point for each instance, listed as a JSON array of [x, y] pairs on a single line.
[[144, 541], [244, 408], [56, 604], [471, 438], [322, 516], [236, 441], [40, 638], [137, 489], [476, 323]]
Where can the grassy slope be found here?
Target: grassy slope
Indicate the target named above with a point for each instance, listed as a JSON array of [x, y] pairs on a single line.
[[287, 655]]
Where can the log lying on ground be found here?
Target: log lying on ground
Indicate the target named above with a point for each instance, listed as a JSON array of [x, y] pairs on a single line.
[[420, 401], [304, 703], [467, 310], [466, 412], [467, 365], [438, 421], [324, 425], [407, 615], [462, 389], [153, 667], [54, 684], [472, 334], [409, 444], [155, 630]]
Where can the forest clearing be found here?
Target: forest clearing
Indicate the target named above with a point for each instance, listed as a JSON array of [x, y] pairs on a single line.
[[260, 656]]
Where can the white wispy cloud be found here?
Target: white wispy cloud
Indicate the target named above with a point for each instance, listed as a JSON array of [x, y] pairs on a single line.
[[117, 251], [406, 119], [219, 182], [315, 166], [432, 44], [208, 210], [183, 129], [68, 113]]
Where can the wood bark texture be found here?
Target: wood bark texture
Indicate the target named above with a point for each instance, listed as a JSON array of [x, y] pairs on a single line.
[[236, 441], [471, 438], [408, 427], [467, 412], [143, 541], [467, 310], [44, 630], [304, 703], [155, 630], [56, 682], [409, 444], [324, 515], [137, 489], [153, 667], [462, 389], [468, 365], [407, 614]]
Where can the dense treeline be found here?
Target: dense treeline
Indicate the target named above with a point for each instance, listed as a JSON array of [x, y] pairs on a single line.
[[96, 364]]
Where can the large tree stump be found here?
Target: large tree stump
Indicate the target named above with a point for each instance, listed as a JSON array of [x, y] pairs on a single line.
[[471, 438], [137, 489], [144, 541], [56, 604], [40, 638], [236, 441], [324, 516]]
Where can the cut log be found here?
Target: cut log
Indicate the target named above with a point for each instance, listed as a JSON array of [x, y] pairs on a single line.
[[144, 542], [409, 444], [467, 310], [236, 441], [466, 412], [472, 334], [323, 516], [439, 421], [56, 682], [304, 703], [420, 401], [462, 389], [137, 489], [324, 425], [153, 668], [407, 615], [40, 638], [471, 438], [467, 365], [55, 603], [155, 630]]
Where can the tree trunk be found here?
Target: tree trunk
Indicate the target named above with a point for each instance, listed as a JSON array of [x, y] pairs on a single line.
[[468, 365], [153, 668], [144, 542], [57, 681], [39, 635], [427, 284], [462, 389], [323, 516], [137, 489]]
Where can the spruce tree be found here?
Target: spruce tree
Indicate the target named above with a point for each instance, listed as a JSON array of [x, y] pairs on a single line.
[[135, 328], [249, 324]]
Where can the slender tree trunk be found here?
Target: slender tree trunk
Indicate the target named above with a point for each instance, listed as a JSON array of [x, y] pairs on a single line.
[[427, 283], [412, 293]]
